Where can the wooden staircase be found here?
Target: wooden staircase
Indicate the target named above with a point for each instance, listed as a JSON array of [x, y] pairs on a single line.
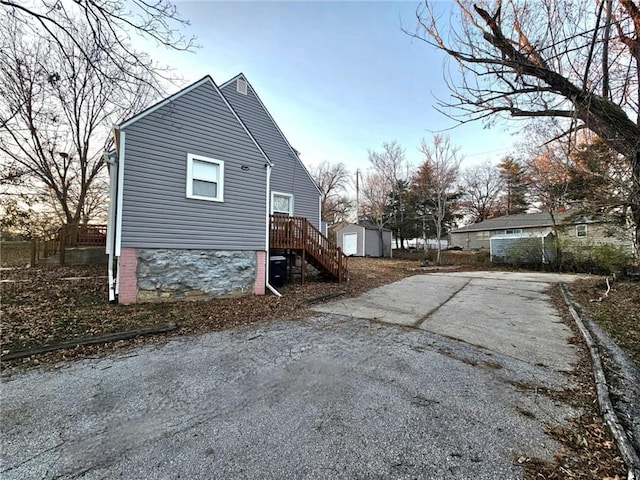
[[297, 233]]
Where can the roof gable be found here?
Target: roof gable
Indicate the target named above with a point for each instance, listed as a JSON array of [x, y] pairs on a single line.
[[271, 148], [172, 98]]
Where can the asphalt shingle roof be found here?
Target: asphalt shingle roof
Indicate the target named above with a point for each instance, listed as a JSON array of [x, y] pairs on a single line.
[[522, 220]]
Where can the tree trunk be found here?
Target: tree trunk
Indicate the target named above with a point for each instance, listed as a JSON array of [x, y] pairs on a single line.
[[556, 240], [635, 206]]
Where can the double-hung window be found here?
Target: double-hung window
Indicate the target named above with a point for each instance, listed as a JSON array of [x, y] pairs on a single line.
[[282, 203], [581, 230], [205, 178]]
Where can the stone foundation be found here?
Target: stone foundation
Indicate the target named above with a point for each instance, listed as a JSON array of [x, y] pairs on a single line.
[[165, 274]]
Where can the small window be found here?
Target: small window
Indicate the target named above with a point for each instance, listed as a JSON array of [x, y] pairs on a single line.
[[482, 235], [581, 230], [241, 86], [205, 178], [282, 203], [514, 231]]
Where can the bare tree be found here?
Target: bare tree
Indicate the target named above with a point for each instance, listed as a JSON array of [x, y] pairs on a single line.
[[482, 186], [577, 62], [332, 180], [381, 186], [109, 24], [435, 182], [375, 193], [57, 112]]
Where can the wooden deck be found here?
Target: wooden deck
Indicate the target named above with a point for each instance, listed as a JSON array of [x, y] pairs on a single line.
[[297, 233], [290, 233], [67, 236]]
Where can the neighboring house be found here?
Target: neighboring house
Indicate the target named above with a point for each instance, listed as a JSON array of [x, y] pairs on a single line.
[[578, 230], [194, 185], [364, 241]]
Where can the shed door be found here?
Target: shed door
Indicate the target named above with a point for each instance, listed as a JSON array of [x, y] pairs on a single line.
[[350, 243]]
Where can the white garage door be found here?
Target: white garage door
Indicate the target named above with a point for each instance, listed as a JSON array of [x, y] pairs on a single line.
[[350, 243]]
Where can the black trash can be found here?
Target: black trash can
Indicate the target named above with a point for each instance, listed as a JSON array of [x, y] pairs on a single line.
[[277, 271]]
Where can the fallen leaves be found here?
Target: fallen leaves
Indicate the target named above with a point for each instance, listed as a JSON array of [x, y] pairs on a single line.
[[51, 304]]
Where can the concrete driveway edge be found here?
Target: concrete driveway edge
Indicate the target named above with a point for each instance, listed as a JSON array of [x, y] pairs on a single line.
[[625, 446]]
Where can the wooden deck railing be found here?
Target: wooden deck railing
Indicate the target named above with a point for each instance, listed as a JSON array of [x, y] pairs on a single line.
[[67, 236], [299, 234]]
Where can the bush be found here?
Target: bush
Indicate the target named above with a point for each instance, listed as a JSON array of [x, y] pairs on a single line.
[[601, 259]]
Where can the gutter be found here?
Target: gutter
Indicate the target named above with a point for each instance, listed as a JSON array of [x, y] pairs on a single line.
[[268, 222]]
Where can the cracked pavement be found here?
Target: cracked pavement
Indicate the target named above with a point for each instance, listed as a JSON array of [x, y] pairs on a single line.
[[426, 390]]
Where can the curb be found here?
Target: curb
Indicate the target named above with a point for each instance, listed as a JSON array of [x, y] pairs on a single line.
[[627, 451]]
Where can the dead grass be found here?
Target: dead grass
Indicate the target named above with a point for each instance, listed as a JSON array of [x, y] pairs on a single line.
[[14, 254], [588, 451], [618, 313]]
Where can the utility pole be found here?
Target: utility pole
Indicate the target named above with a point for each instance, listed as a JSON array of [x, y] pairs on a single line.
[[357, 197]]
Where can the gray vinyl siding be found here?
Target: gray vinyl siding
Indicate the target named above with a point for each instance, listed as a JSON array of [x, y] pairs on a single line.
[[156, 212], [372, 243], [288, 174], [368, 243]]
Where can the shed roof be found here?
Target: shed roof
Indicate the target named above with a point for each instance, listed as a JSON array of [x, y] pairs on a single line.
[[365, 226]]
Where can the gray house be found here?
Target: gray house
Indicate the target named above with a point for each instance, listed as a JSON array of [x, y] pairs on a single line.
[[195, 183], [576, 230], [364, 241]]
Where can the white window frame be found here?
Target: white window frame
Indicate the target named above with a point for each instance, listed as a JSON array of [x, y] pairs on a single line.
[[281, 194], [513, 231], [584, 225], [220, 180]]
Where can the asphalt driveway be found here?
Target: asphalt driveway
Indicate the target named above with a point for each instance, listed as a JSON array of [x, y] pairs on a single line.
[[333, 396]]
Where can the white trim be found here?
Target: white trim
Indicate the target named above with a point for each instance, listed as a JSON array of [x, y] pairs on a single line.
[[293, 151], [118, 230], [244, 127], [219, 181], [585, 230], [282, 194], [364, 237], [167, 100], [186, 90], [231, 80]]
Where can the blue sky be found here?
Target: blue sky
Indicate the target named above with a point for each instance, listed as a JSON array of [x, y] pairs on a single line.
[[339, 78]]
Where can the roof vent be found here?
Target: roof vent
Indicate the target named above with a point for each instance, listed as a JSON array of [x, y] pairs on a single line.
[[241, 86]]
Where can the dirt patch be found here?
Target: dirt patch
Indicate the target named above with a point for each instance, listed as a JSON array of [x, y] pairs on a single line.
[[50, 304]]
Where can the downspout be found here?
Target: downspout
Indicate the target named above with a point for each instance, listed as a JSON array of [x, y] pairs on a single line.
[[268, 218], [112, 165], [119, 201]]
